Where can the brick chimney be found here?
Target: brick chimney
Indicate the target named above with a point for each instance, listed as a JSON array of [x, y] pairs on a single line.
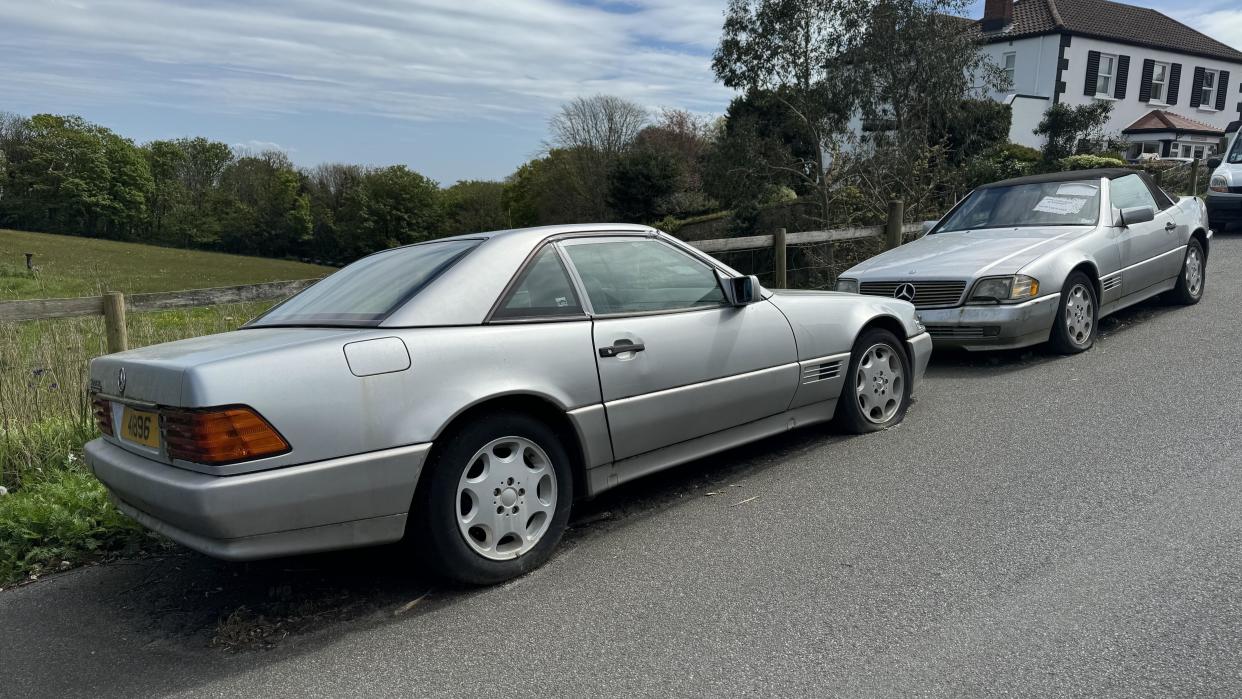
[[997, 14]]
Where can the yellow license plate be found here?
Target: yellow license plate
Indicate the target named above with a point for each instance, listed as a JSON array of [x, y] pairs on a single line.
[[140, 427]]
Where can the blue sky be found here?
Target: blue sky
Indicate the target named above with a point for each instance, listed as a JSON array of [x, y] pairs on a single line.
[[456, 89]]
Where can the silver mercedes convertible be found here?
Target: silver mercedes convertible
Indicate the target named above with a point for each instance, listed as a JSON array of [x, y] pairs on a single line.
[[463, 393], [1043, 258]]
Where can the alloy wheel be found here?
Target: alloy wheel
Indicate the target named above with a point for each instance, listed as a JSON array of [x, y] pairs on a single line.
[[506, 498], [1194, 272], [880, 383], [1079, 315]]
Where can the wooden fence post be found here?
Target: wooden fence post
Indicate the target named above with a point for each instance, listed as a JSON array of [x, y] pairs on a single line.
[[778, 255], [114, 321], [30, 261], [892, 229], [1194, 177]]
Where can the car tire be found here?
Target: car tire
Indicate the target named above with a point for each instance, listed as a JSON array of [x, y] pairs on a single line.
[[876, 393], [1078, 316], [1193, 279], [508, 475]]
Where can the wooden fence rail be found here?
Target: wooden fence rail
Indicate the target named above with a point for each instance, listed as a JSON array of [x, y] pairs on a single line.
[[113, 305]]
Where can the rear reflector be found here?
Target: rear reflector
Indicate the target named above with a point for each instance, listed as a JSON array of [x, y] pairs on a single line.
[[102, 408], [220, 435]]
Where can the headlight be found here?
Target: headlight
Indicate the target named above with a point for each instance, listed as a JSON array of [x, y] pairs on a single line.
[[849, 286], [1015, 288], [1218, 184]]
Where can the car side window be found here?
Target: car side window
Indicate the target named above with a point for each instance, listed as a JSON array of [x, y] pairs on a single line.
[[544, 290], [1131, 191], [642, 275]]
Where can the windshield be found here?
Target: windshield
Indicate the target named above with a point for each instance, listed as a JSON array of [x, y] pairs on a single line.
[[365, 292], [1075, 203], [1235, 153]]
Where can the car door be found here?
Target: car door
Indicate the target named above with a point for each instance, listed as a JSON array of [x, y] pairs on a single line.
[[1144, 246], [675, 360]]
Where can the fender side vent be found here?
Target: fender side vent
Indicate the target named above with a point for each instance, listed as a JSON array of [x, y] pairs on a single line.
[[821, 372], [1111, 283]]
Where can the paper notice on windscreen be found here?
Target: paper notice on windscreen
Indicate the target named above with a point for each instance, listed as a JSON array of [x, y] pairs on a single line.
[[1060, 205]]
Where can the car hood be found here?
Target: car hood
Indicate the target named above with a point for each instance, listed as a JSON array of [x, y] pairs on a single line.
[[966, 254]]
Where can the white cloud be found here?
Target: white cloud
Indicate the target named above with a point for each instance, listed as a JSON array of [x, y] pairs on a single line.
[[410, 59], [256, 146]]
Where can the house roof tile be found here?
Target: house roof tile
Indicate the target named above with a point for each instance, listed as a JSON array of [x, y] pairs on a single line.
[[1161, 120], [1112, 21]]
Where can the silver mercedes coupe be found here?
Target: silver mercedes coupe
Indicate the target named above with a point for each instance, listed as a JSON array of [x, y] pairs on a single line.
[[1043, 258], [461, 394]]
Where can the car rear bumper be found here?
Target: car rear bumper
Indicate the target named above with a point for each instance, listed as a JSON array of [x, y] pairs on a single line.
[[992, 327], [340, 503]]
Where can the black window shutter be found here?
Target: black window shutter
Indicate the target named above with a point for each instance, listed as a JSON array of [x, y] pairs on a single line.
[[1123, 77], [1149, 67], [1175, 81], [1196, 87], [1222, 86], [1093, 73]]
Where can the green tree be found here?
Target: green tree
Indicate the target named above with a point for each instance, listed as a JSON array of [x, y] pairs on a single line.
[[640, 184], [393, 206], [1065, 128], [471, 206]]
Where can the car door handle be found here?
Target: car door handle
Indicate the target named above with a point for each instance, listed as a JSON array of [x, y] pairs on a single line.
[[1170, 226], [620, 347]]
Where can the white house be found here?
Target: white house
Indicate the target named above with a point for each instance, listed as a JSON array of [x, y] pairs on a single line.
[[1173, 89]]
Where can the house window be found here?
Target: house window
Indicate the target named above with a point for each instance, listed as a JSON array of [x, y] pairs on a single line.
[[1159, 82], [1108, 72], [1010, 61], [1207, 94]]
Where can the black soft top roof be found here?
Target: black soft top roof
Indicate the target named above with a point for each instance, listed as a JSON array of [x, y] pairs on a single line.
[[1111, 173]]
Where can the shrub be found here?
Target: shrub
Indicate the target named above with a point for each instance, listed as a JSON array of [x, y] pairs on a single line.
[[64, 518], [1088, 162]]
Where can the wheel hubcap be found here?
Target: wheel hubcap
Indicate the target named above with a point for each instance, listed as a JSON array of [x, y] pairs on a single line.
[[880, 383], [1194, 272], [506, 498], [1079, 314]]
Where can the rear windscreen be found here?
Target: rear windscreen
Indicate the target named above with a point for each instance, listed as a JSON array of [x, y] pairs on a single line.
[[365, 292]]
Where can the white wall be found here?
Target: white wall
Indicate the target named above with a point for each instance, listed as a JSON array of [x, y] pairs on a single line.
[[1036, 67], [1128, 110]]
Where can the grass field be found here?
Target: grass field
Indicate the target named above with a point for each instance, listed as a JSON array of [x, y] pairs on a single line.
[[55, 513], [70, 266]]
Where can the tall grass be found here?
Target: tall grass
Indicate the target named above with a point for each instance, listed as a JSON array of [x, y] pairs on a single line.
[[44, 372]]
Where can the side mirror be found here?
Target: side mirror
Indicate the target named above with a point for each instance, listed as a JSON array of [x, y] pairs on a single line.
[[740, 291], [1213, 162], [1136, 214], [928, 225]]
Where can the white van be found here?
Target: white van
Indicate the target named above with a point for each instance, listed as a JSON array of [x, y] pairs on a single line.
[[1224, 197]]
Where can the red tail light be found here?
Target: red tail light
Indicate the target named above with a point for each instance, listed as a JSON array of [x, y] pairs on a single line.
[[102, 408], [220, 435]]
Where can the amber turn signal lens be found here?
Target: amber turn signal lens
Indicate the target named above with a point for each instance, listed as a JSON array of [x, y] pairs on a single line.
[[220, 435], [102, 407]]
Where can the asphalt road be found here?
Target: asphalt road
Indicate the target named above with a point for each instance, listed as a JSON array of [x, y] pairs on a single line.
[[1039, 525]]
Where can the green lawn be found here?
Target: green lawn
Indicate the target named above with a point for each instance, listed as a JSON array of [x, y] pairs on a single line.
[[70, 266]]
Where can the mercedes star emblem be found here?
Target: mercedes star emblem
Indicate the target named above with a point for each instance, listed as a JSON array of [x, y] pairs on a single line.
[[120, 380], [905, 292]]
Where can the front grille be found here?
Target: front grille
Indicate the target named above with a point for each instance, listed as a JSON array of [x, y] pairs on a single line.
[[1235, 190], [927, 294]]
